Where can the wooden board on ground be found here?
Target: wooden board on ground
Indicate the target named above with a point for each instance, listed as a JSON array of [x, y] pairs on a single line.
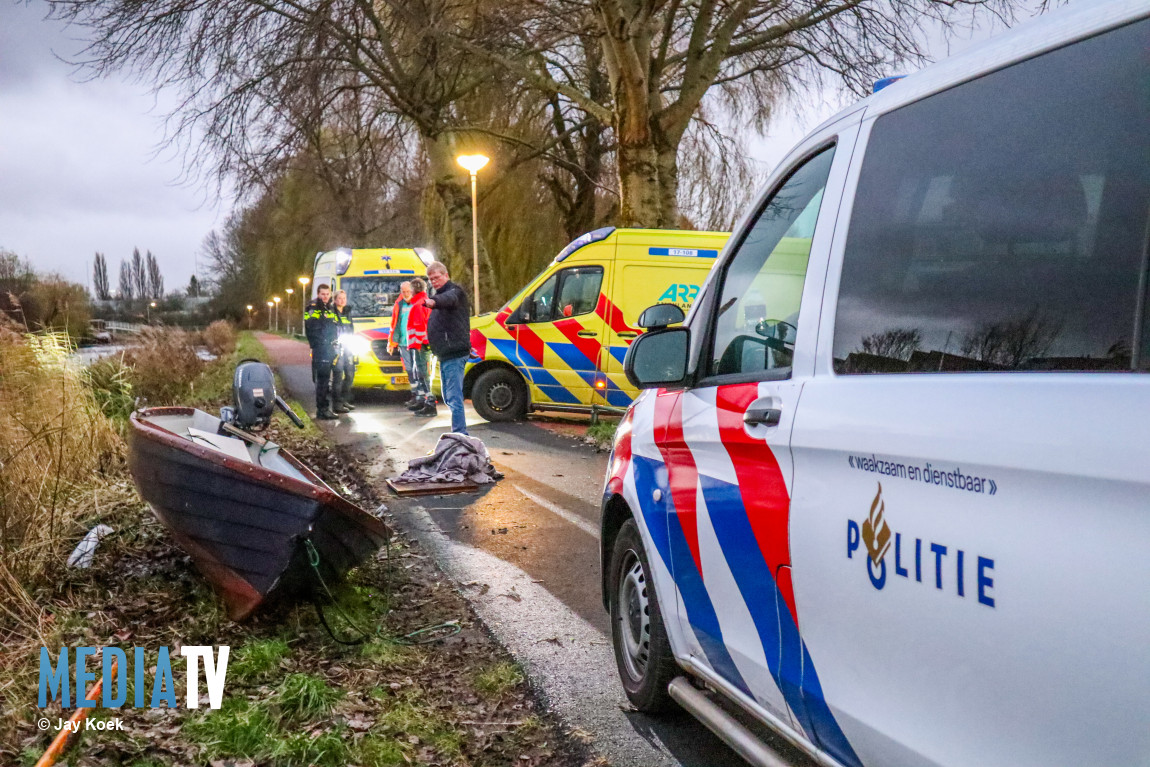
[[431, 488]]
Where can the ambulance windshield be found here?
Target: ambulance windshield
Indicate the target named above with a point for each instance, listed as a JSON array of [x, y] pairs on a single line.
[[372, 296]]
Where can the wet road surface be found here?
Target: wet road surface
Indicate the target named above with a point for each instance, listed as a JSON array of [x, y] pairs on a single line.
[[525, 552]]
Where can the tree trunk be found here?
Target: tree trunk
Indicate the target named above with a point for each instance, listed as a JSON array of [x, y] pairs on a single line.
[[639, 193]]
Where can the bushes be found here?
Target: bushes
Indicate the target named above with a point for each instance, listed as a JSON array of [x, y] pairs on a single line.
[[220, 338]]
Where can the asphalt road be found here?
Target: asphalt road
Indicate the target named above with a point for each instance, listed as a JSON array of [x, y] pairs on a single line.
[[525, 553]]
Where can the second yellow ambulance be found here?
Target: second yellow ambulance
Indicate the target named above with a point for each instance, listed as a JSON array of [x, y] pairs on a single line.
[[560, 343]]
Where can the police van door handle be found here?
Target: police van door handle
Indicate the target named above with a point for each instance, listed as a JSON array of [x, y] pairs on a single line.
[[588, 333], [627, 334], [762, 416]]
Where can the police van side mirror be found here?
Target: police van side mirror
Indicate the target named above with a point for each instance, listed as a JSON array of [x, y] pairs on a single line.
[[660, 316], [658, 358]]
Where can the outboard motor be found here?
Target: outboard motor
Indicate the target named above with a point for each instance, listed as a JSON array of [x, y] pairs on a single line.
[[254, 397]]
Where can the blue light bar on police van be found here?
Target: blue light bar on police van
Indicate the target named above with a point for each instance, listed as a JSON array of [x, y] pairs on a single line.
[[594, 235], [880, 84]]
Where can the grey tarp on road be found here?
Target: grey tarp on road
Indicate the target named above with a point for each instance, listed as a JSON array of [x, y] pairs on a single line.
[[456, 458]]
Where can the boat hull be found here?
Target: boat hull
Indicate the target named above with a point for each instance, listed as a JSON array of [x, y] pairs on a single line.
[[246, 527]]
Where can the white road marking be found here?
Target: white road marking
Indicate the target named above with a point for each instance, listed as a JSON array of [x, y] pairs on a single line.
[[570, 516]]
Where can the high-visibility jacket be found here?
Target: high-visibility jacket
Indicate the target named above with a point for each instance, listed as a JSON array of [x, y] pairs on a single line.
[[321, 324], [417, 322], [343, 317]]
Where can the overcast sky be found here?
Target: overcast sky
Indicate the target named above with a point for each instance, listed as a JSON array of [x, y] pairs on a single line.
[[80, 172], [78, 166]]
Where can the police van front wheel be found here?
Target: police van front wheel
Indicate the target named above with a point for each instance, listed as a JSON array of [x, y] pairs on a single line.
[[642, 650], [500, 395]]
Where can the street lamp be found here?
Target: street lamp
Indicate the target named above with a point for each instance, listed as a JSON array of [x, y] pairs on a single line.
[[473, 163], [303, 282], [289, 291], [277, 301], [249, 316], [151, 306], [270, 305]]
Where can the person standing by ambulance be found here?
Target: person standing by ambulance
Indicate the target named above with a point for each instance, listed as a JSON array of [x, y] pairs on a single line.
[[449, 333], [398, 337], [343, 375], [321, 325], [424, 405]]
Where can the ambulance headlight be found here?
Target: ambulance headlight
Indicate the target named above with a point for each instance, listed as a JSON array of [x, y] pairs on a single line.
[[356, 345]]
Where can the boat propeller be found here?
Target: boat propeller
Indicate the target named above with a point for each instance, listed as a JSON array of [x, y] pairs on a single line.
[[254, 397]]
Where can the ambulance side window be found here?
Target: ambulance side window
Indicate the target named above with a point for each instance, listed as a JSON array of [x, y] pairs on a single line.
[[578, 291], [567, 293], [537, 308], [758, 309]]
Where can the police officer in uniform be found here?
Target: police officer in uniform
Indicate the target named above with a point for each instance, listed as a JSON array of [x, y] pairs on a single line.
[[321, 324]]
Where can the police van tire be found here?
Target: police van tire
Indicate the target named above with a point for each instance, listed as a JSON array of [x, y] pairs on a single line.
[[642, 649], [500, 395]]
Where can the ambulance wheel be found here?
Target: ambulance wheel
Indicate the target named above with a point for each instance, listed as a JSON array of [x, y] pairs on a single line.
[[642, 650], [500, 395]]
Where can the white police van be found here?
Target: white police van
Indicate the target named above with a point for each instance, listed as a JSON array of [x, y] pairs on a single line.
[[888, 488]]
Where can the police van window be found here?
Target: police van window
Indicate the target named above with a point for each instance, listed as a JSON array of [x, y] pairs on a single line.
[[1001, 225], [567, 293], [754, 331]]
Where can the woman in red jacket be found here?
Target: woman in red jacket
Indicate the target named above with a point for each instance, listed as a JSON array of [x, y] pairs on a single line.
[[400, 315], [424, 404]]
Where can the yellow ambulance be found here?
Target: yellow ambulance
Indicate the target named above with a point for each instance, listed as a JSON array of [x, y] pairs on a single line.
[[560, 343], [371, 277]]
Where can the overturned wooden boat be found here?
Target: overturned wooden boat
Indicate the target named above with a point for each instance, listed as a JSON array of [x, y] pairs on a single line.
[[253, 518]]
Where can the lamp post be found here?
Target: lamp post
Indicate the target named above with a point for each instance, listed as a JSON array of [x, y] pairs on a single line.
[[277, 301], [303, 283], [473, 163], [270, 305], [249, 316], [151, 306], [287, 305]]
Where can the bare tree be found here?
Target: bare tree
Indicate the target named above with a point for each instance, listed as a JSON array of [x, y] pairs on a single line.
[[1012, 342], [664, 58], [139, 275], [127, 284], [155, 278], [895, 343], [100, 278], [243, 64]]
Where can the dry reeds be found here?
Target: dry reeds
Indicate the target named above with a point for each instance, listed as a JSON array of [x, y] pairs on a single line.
[[220, 338], [53, 440], [164, 365]]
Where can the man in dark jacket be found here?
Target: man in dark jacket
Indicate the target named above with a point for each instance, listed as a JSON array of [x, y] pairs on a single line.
[[449, 333], [321, 324]]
